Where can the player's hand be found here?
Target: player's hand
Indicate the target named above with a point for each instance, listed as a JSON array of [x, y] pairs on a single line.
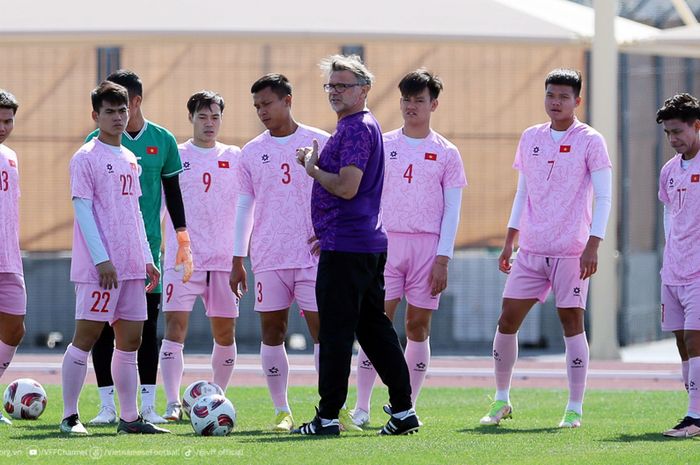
[[589, 258], [310, 158], [108, 275], [238, 278], [183, 258], [153, 274], [316, 245], [438, 275], [504, 259]]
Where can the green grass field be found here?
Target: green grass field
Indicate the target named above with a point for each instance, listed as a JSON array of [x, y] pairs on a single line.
[[620, 427]]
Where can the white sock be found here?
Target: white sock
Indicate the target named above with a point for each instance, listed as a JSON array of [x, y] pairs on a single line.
[[575, 406], [503, 395], [148, 396], [282, 409], [327, 422], [692, 414], [107, 397], [403, 414]]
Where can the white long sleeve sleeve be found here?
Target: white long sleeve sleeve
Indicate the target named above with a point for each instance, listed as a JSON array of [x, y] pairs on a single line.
[[519, 202], [602, 190], [245, 208], [450, 221], [88, 228]]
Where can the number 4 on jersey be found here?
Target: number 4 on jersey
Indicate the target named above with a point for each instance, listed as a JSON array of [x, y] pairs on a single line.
[[408, 174]]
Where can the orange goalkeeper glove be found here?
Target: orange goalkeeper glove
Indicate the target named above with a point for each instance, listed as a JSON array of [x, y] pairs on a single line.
[[183, 258]]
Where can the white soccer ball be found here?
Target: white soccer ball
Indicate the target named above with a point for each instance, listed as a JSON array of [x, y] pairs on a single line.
[[198, 389], [213, 415], [24, 399]]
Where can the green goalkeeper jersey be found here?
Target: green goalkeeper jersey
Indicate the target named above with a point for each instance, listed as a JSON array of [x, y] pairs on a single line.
[[156, 151]]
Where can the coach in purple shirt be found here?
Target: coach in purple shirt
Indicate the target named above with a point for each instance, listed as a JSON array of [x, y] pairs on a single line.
[[345, 209]]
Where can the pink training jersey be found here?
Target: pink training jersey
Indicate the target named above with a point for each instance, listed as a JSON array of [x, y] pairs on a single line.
[[282, 192], [415, 178], [10, 258], [556, 221], [208, 185], [111, 180], [679, 190]]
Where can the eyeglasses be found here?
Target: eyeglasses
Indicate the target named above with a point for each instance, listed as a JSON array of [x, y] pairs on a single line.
[[340, 87]]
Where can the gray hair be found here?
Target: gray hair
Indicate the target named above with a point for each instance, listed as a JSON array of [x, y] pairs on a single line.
[[352, 63]]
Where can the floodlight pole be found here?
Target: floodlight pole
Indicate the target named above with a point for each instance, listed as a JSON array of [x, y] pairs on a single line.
[[604, 299]]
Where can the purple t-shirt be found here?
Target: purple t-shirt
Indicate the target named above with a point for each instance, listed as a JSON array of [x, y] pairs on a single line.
[[353, 225]]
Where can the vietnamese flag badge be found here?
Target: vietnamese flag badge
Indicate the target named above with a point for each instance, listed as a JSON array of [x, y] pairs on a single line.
[[564, 148], [12, 163], [152, 150], [223, 164], [695, 178], [431, 156]]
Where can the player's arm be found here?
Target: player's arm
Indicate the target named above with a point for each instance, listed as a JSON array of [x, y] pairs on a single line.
[[516, 212], [344, 184], [446, 243], [152, 270], [88, 228], [602, 191], [245, 209], [176, 210]]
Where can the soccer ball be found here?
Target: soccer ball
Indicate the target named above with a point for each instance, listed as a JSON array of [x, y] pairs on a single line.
[[213, 415], [198, 389], [24, 399]]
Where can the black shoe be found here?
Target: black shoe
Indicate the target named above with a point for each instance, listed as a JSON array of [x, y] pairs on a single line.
[[408, 424], [139, 426], [317, 429]]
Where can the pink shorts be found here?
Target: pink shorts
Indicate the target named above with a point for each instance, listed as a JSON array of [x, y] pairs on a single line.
[[680, 307], [13, 294], [532, 276], [277, 289], [410, 259], [211, 286], [126, 302]]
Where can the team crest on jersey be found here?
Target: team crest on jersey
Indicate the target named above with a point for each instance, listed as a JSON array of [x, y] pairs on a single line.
[[564, 148], [535, 151], [152, 150], [265, 158], [109, 168], [695, 178], [223, 164], [431, 156], [186, 166], [12, 163], [392, 155]]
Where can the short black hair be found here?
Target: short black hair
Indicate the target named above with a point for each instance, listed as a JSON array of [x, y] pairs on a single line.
[[414, 82], [682, 106], [278, 83], [110, 92], [204, 99], [565, 77], [128, 79], [7, 100]]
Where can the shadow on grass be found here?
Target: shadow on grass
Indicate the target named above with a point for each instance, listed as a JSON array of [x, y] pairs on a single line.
[[642, 437], [499, 430], [59, 435]]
